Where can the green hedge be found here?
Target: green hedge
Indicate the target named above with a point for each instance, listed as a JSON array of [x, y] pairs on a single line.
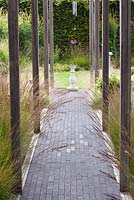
[[67, 26], [114, 84]]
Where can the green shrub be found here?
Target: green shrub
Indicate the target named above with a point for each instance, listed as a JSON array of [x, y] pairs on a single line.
[[41, 55], [3, 27], [114, 84], [56, 55], [114, 35], [82, 62], [3, 68], [25, 38], [25, 61], [99, 84], [61, 67], [4, 57], [6, 172], [41, 32], [96, 101]]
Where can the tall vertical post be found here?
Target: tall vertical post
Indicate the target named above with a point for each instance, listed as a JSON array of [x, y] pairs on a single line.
[[14, 92], [93, 39], [90, 33], [51, 29], [105, 60], [97, 11], [91, 42], [46, 66], [125, 37], [35, 65]]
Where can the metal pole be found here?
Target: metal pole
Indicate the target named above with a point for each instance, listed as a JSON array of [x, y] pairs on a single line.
[[14, 92], [51, 44], [105, 65], [125, 55], [35, 64], [46, 68]]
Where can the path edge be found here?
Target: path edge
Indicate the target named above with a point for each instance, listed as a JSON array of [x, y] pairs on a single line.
[[124, 196], [30, 153]]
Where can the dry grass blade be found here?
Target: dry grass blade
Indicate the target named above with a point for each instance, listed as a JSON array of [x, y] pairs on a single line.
[[112, 137]]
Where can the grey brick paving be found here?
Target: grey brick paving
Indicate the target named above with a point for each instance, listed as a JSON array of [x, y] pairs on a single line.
[[67, 164]]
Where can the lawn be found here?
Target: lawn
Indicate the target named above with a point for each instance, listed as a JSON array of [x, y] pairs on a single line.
[[62, 78], [83, 78]]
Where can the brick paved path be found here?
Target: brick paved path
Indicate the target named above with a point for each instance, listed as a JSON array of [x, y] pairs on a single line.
[[67, 164]]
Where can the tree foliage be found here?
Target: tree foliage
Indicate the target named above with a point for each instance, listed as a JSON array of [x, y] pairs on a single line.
[[67, 26]]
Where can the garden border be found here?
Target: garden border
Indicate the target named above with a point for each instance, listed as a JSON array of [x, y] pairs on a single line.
[[124, 196], [30, 153]]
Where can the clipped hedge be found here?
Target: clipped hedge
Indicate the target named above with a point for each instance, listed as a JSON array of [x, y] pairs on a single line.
[[67, 27]]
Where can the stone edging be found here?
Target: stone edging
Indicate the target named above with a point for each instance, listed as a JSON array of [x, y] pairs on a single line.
[[30, 153], [124, 196]]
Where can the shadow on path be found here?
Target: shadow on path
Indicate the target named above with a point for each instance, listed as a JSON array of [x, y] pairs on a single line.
[[67, 163]]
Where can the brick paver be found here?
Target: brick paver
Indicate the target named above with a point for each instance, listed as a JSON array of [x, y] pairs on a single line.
[[68, 164]]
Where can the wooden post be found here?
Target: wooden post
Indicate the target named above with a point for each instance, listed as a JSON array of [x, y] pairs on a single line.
[[14, 92], [51, 43], [35, 63], [90, 33], [91, 41], [46, 67], [97, 9], [93, 38], [105, 59], [125, 38]]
